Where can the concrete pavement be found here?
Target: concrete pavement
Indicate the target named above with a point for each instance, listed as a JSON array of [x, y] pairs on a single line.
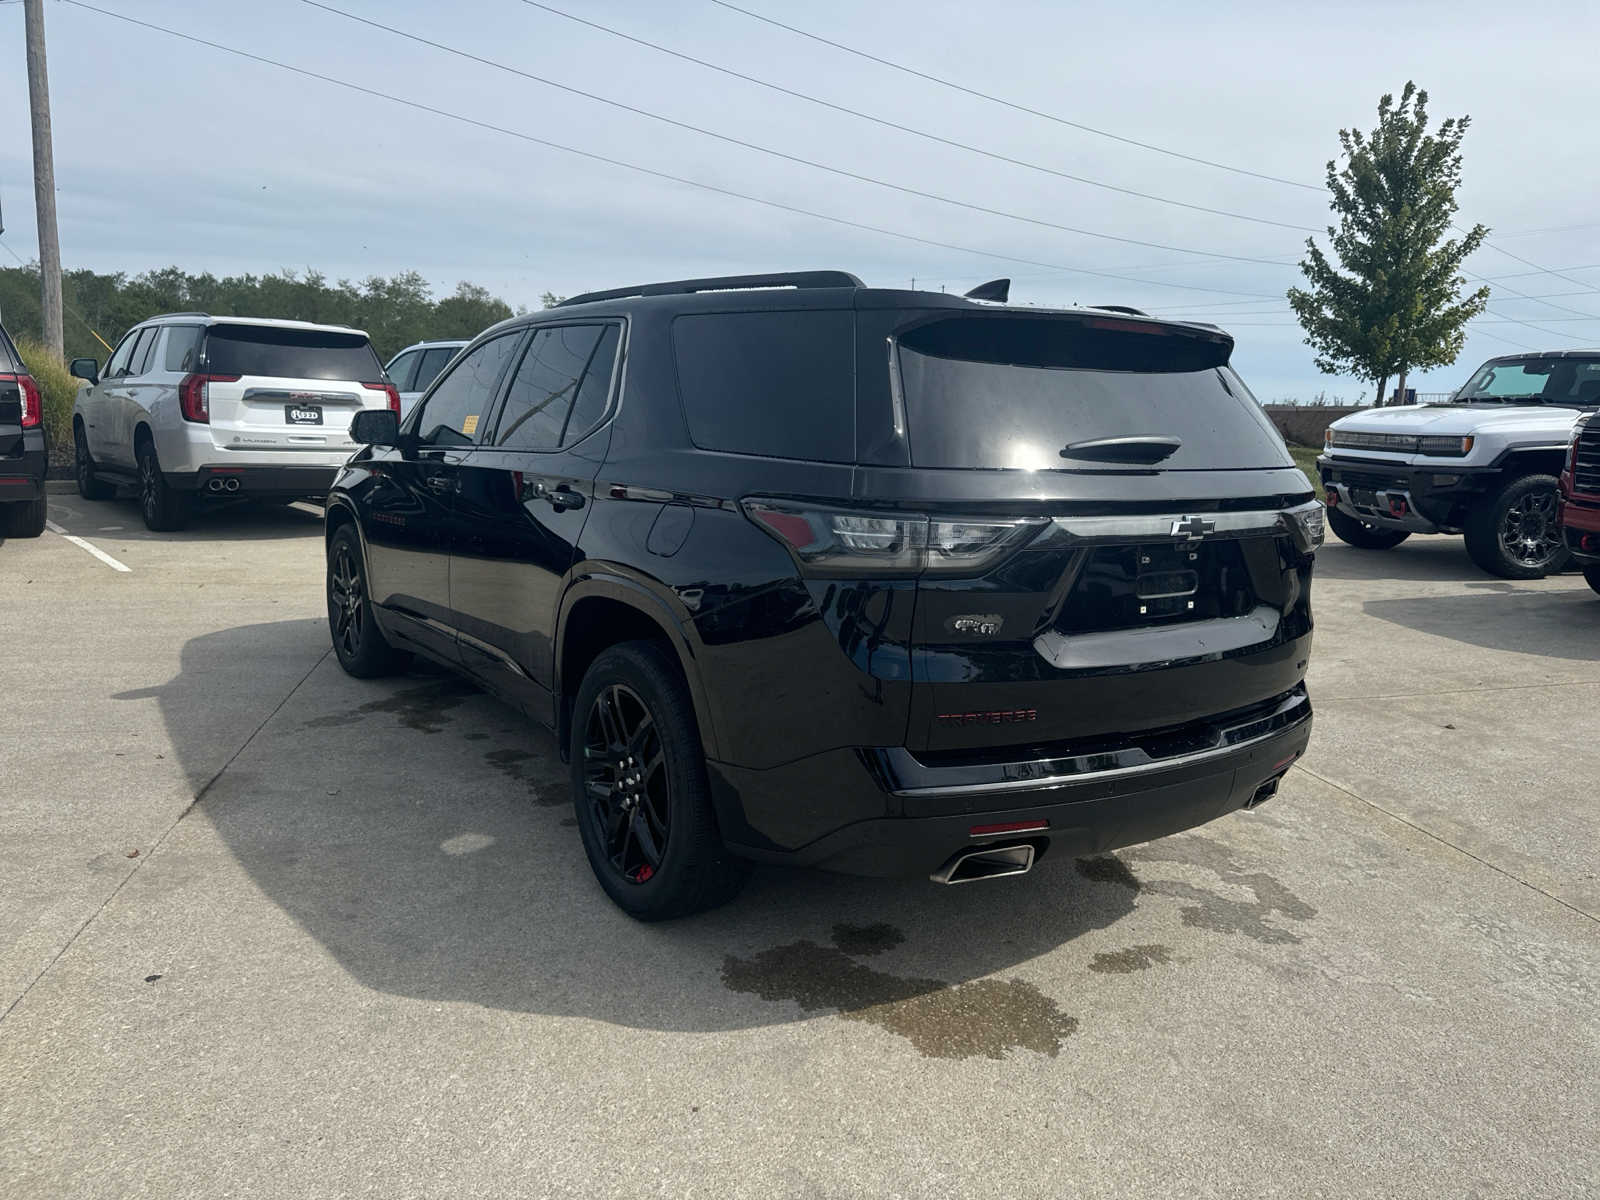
[[370, 960]]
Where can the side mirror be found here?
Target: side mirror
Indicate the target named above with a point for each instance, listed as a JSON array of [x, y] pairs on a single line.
[[376, 427], [85, 368]]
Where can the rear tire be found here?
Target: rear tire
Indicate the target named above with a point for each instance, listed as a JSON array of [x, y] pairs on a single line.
[[1591, 576], [640, 788], [165, 509], [358, 643], [1361, 535], [1515, 532], [25, 518], [90, 486]]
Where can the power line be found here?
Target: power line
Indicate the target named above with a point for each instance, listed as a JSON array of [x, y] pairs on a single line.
[[768, 150], [915, 132], [617, 162], [1011, 104]]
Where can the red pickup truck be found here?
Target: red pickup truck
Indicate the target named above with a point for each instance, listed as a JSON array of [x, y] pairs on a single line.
[[1580, 498]]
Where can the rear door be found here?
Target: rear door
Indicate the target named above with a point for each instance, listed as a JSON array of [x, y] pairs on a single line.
[[525, 495], [407, 513], [289, 390], [1106, 551]]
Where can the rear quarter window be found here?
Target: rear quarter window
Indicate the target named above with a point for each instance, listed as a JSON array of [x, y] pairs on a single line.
[[779, 384], [290, 353]]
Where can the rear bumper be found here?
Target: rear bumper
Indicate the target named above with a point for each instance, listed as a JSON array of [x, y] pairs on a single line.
[[22, 476], [227, 482], [910, 817]]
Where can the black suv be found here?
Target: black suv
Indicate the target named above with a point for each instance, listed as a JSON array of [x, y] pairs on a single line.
[[24, 455], [807, 572]]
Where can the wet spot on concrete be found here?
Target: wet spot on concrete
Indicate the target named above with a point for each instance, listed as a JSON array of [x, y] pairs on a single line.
[[544, 775], [1108, 868], [420, 708], [1217, 911], [982, 1018], [866, 939], [1134, 958]]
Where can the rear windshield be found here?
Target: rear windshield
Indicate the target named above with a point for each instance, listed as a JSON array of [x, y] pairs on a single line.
[[290, 353], [1013, 392]]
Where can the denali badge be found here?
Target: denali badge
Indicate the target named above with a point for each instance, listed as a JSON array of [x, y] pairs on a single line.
[[1193, 528]]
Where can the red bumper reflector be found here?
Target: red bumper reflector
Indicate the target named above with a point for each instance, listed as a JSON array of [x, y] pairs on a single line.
[[1287, 761], [1008, 827]]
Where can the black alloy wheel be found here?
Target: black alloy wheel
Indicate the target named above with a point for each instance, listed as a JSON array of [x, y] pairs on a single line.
[[164, 508], [641, 790], [1515, 532], [358, 643], [1530, 533], [626, 782]]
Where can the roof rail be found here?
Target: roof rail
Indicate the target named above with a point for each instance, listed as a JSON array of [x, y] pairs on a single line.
[[724, 283], [186, 314], [1121, 308]]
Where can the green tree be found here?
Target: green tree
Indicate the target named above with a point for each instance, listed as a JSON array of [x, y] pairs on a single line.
[[1394, 301]]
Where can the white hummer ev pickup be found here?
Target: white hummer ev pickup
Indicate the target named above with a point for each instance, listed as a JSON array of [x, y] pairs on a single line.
[[1485, 464]]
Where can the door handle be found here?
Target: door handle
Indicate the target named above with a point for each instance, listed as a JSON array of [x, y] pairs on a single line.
[[562, 498], [438, 484]]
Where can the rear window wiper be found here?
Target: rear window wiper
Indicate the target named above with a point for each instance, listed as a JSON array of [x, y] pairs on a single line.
[[1123, 449]]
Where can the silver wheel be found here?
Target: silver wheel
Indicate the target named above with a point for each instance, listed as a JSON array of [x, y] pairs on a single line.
[[1530, 533]]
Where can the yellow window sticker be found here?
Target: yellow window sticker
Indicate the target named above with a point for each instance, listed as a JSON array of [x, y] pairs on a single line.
[[470, 425]]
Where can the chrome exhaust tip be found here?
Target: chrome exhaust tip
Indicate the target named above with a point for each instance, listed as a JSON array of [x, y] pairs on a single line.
[[214, 484], [990, 862], [231, 484], [1265, 792]]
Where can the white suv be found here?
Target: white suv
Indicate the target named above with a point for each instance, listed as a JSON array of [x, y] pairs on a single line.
[[418, 365], [192, 405]]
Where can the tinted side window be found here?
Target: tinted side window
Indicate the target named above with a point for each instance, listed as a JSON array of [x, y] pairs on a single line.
[[399, 369], [546, 384], [595, 390], [139, 360], [119, 357], [433, 361], [774, 383], [462, 399], [183, 347]]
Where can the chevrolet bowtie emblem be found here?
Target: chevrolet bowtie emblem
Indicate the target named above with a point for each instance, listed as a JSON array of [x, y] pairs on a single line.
[[1193, 528]]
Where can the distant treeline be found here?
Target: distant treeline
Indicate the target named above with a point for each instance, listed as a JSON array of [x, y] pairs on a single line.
[[395, 311]]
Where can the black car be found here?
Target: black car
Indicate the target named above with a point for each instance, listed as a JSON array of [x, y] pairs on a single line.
[[889, 582], [24, 455]]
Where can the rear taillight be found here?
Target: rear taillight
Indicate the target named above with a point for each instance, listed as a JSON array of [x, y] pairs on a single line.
[[194, 398], [844, 542], [394, 394], [32, 399]]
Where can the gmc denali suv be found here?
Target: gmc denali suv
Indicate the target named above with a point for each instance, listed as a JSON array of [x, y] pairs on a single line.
[[192, 406], [24, 452], [888, 582]]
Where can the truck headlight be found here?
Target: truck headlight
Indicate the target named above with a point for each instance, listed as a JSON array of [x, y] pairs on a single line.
[[1449, 447]]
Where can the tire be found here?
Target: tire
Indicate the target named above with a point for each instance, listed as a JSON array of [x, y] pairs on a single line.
[[1591, 576], [90, 486], [1515, 532], [1361, 535], [25, 518], [358, 643], [656, 850], [165, 510]]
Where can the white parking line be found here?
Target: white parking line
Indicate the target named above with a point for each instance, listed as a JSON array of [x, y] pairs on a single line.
[[85, 545]]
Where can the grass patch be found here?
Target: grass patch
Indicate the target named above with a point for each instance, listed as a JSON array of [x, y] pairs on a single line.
[[1305, 457], [60, 391]]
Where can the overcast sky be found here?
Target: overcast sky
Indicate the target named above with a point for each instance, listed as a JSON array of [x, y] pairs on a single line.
[[172, 153]]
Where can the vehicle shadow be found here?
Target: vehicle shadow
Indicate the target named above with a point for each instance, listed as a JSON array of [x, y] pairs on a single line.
[[1498, 615], [422, 833], [1421, 559], [225, 521]]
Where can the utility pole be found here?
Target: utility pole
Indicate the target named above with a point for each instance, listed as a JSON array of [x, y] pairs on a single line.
[[44, 179]]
